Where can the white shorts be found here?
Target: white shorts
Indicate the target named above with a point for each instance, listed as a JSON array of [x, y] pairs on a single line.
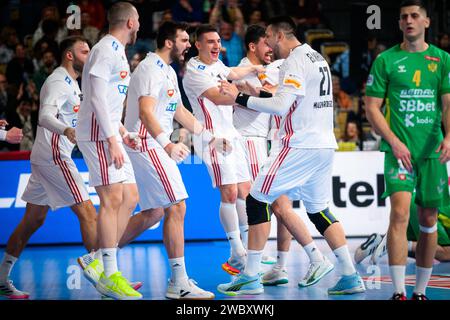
[[256, 154], [96, 155], [56, 186], [301, 174], [224, 169], [158, 179]]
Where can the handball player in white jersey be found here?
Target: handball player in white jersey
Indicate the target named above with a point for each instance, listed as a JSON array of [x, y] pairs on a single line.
[[301, 168]]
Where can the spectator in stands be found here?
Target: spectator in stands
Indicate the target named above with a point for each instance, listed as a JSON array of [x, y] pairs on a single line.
[[6, 98], [228, 10], [256, 17], [232, 50], [50, 31], [8, 43], [250, 7], [24, 118], [190, 11], [19, 68], [342, 101], [444, 42], [138, 57], [48, 64], [350, 139], [50, 13], [89, 29], [96, 12]]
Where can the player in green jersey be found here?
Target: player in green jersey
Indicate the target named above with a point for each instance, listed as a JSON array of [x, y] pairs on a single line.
[[413, 79]]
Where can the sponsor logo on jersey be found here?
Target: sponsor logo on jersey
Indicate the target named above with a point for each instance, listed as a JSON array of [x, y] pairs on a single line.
[[201, 67], [115, 45], [123, 74], [262, 76], [67, 79], [159, 64], [76, 108], [81, 97], [432, 58], [369, 80], [401, 68], [122, 89], [170, 92], [171, 107], [290, 80], [432, 67]]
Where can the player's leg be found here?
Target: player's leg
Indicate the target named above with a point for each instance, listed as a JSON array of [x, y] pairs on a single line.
[[130, 199], [243, 191], [87, 217], [180, 286], [139, 223], [32, 220]]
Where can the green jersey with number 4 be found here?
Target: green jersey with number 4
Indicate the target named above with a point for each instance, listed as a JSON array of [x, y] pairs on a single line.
[[412, 83]]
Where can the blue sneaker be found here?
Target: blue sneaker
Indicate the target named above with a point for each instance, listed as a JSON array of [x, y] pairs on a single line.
[[242, 284], [348, 285]]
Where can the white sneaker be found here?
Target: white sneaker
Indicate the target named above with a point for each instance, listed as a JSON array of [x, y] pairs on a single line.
[[379, 251], [92, 268], [187, 290], [275, 276], [368, 247], [8, 290], [316, 271]]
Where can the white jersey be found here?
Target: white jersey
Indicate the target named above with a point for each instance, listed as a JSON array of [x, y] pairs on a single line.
[[62, 91], [200, 77], [106, 60], [309, 121], [248, 122], [152, 78]]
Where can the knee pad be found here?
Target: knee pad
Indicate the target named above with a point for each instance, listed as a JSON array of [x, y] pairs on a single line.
[[257, 211], [428, 229], [322, 220]]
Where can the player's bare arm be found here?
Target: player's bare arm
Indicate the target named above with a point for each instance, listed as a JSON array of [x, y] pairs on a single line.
[[444, 147], [177, 151], [213, 94], [238, 73], [376, 118]]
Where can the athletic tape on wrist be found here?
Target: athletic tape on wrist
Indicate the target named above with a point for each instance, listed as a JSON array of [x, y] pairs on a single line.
[[163, 140], [428, 229]]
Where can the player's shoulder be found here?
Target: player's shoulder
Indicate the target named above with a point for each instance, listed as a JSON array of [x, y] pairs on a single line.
[[437, 53], [151, 63], [196, 66], [59, 77]]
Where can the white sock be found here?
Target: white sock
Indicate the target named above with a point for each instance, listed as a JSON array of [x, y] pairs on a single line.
[[345, 261], [228, 216], [178, 269], [234, 238], [410, 246], [398, 278], [282, 259], [241, 209], [98, 255], [109, 256], [422, 277], [244, 235], [6, 267], [313, 252], [253, 262]]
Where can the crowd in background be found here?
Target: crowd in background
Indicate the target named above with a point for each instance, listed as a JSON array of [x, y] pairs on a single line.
[[32, 30]]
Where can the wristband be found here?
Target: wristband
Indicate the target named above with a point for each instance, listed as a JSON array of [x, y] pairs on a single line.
[[206, 136], [163, 140], [242, 99], [3, 135], [265, 94]]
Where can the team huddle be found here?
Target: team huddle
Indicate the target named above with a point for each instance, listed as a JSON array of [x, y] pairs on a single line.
[[122, 123]]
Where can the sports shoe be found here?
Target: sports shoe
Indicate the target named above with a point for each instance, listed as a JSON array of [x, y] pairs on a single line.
[[8, 290], [242, 284], [418, 296], [187, 290], [234, 265], [398, 296], [368, 247], [275, 276], [380, 251], [117, 287], [348, 285], [268, 260], [93, 268], [316, 271]]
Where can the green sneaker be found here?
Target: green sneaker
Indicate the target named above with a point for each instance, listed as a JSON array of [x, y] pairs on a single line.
[[117, 287]]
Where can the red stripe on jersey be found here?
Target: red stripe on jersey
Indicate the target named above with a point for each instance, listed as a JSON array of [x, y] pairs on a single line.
[[253, 158], [75, 190], [215, 166], [103, 163], [208, 120], [277, 121], [162, 175], [289, 130], [273, 170]]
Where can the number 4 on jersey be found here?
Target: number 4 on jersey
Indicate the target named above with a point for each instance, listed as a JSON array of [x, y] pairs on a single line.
[[416, 78]]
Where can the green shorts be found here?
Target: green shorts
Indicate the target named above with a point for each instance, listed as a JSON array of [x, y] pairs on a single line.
[[413, 228], [429, 180]]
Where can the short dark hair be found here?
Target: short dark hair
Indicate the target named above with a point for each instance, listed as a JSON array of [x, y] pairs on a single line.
[[409, 3], [68, 43], [284, 23], [118, 13], [202, 29], [168, 31], [253, 34]]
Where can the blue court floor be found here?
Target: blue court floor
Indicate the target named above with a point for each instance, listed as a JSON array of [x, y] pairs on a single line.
[[52, 273]]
